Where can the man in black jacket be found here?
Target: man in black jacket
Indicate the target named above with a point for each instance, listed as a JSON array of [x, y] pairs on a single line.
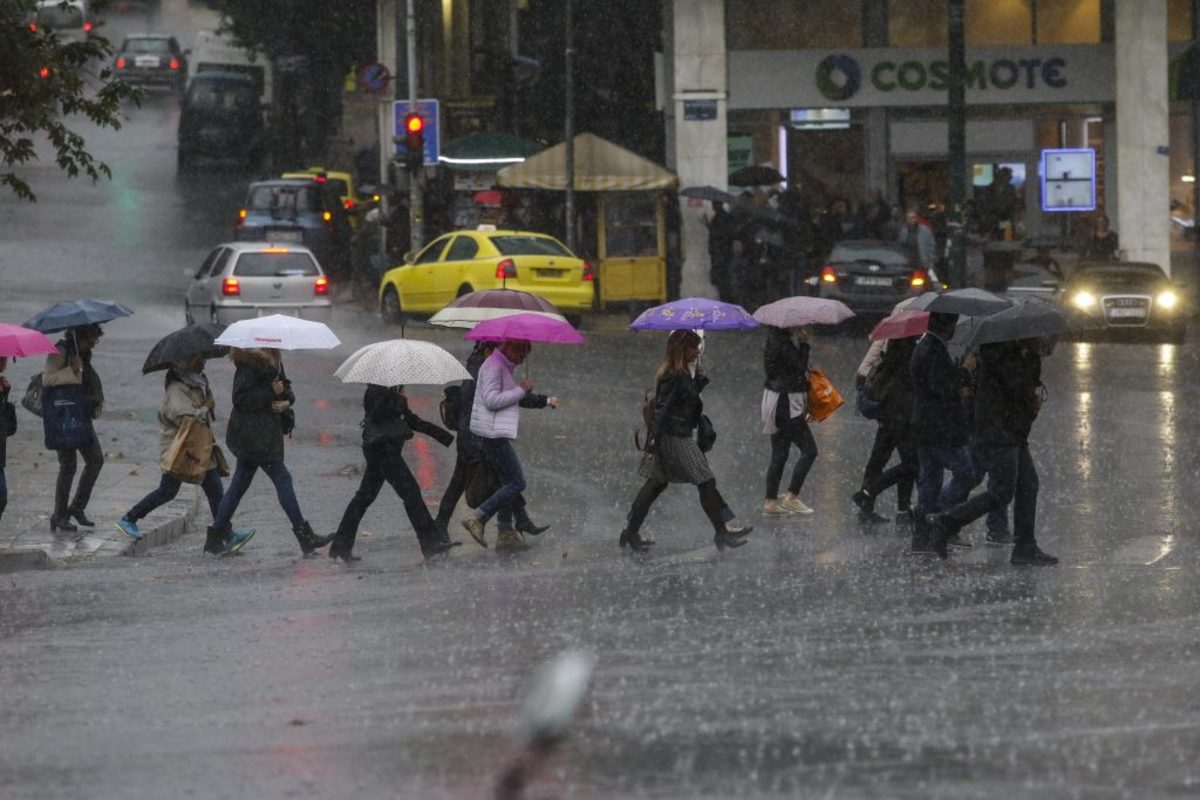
[[940, 427], [1008, 396]]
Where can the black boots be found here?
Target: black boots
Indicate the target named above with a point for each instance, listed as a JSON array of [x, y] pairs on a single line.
[[62, 523], [866, 508], [80, 517], [634, 541], [1031, 557], [308, 540], [524, 524], [214, 542]]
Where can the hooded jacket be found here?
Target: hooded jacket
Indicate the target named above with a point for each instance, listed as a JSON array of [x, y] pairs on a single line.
[[495, 411], [255, 431]]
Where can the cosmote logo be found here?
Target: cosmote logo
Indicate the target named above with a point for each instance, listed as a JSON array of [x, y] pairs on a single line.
[[839, 77]]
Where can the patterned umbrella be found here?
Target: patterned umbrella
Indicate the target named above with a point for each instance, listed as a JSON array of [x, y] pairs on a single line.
[[795, 312], [17, 341], [472, 308], [402, 362], [694, 312]]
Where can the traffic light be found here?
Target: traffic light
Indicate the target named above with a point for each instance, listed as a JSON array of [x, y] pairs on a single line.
[[414, 141]]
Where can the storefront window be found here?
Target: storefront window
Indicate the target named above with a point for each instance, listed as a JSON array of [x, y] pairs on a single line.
[[630, 224], [998, 22], [1179, 20], [792, 24], [917, 23], [922, 23]]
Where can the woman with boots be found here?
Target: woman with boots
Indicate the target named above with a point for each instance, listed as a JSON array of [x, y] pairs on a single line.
[[672, 453], [785, 417], [8, 416], [389, 423], [262, 398], [72, 366], [888, 368], [187, 395]]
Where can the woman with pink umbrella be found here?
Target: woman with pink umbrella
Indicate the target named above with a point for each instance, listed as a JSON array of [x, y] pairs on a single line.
[[15, 341]]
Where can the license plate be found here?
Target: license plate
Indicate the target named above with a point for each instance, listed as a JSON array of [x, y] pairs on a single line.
[[285, 236], [1136, 313], [549, 273], [869, 281], [146, 61]]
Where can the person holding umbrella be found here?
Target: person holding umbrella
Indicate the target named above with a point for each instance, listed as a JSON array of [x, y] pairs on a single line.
[[18, 342], [8, 418]]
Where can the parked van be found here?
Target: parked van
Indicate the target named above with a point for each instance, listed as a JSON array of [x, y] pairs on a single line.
[[213, 52]]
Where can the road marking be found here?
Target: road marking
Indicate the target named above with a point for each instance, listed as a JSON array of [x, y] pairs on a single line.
[[1144, 550]]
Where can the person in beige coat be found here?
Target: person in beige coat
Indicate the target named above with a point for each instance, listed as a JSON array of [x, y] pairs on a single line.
[[71, 365]]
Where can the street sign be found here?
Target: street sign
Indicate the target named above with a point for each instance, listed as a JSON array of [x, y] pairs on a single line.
[[430, 112], [374, 77]]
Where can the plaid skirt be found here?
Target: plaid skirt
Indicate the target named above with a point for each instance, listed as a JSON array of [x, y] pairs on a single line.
[[677, 460]]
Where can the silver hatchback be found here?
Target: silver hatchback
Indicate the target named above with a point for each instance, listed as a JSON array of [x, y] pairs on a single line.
[[240, 280]]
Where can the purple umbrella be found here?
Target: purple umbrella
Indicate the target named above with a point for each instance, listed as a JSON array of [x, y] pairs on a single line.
[[530, 327], [694, 312], [794, 312]]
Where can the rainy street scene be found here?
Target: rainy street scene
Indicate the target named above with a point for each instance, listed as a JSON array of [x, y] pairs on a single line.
[[620, 399]]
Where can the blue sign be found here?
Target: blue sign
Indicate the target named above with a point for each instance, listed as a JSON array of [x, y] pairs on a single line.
[[1069, 179], [374, 78], [430, 112]]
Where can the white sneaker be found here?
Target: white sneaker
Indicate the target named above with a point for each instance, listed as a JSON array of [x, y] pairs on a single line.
[[791, 503], [771, 508]]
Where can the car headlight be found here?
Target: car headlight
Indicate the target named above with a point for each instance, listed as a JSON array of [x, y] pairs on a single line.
[[1166, 300], [1084, 301]]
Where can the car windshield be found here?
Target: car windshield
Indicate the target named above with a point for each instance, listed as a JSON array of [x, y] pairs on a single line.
[[274, 263], [1145, 271], [287, 199], [219, 96], [529, 246], [58, 16], [139, 46], [878, 254]]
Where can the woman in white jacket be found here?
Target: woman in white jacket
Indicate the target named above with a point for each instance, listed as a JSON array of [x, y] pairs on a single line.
[[494, 418]]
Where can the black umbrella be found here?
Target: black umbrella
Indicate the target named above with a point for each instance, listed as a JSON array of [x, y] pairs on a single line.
[[755, 175], [184, 344], [74, 313], [1033, 319], [767, 214], [709, 193], [768, 236], [967, 302]]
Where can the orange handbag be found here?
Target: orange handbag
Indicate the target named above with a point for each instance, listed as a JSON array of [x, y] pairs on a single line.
[[823, 398]]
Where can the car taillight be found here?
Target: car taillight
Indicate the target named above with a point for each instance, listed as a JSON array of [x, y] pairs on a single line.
[[241, 216], [589, 274], [121, 62], [44, 72], [506, 269], [327, 216], [321, 286], [829, 274], [917, 280], [174, 63], [348, 204], [230, 287], [87, 27], [33, 27]]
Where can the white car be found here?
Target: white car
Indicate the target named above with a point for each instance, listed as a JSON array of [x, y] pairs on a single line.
[[241, 280], [70, 20]]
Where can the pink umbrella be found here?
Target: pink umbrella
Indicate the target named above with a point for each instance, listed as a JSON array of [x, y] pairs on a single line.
[[901, 325], [530, 327], [20, 342]]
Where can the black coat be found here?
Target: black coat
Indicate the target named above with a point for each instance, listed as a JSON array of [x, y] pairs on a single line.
[[388, 420], [677, 404], [785, 362], [1006, 389], [896, 405], [938, 418], [255, 432], [4, 431]]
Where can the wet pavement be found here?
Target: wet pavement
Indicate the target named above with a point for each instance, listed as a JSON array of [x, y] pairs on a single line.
[[819, 661]]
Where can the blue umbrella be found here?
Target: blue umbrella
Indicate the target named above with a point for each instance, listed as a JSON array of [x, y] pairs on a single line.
[[73, 313], [693, 313]]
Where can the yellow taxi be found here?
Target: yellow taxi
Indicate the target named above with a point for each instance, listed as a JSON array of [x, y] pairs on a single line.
[[466, 261], [343, 183]]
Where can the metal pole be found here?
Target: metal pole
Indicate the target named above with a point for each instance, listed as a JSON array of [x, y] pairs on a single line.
[[416, 181], [385, 49], [569, 65], [1195, 153], [957, 144]]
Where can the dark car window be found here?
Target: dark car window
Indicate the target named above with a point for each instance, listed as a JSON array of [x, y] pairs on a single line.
[[881, 255], [1109, 269], [219, 265], [266, 265], [431, 253], [206, 267], [463, 249], [284, 199], [338, 186], [218, 97], [529, 246], [146, 46]]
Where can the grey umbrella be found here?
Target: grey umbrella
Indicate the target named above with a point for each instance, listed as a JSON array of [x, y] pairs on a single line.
[[1032, 319], [709, 193], [966, 302]]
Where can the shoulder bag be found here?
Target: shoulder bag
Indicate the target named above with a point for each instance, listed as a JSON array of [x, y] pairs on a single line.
[[66, 418], [32, 400], [190, 452], [823, 397]]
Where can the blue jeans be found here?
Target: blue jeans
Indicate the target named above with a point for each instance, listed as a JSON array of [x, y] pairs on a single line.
[[168, 487], [243, 473], [1012, 478], [934, 461], [3, 492], [503, 458]]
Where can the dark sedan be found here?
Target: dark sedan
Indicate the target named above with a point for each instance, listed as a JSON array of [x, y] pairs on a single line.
[[871, 277], [152, 60], [1126, 297]]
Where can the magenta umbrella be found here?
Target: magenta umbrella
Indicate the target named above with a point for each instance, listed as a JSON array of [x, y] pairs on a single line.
[[530, 327], [17, 341]]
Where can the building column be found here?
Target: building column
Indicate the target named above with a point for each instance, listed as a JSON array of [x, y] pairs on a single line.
[[1143, 132], [875, 34], [697, 149]]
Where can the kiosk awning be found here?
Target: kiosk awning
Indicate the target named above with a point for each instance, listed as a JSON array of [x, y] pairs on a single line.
[[600, 166]]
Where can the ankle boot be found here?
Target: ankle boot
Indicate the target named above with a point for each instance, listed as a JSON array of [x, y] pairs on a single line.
[[634, 541], [214, 542], [308, 540]]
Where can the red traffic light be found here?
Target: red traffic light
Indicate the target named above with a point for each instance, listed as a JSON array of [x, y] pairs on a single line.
[[414, 124]]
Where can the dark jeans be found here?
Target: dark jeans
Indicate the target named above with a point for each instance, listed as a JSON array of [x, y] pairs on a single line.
[[503, 458], [93, 460], [710, 500], [3, 492], [793, 432], [386, 463], [1012, 478], [243, 473], [168, 487], [934, 461], [997, 518], [877, 479]]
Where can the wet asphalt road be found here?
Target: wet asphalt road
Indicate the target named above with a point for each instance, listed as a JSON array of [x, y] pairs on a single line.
[[819, 661]]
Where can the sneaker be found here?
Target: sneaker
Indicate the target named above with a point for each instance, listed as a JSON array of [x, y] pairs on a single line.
[[510, 540], [956, 540], [238, 539], [735, 528], [999, 537], [771, 508], [1032, 558], [790, 502], [474, 526], [129, 528]]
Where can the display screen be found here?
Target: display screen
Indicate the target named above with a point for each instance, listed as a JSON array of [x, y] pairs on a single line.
[[1069, 180]]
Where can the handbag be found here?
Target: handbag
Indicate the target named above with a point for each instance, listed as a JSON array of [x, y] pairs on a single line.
[[706, 434], [32, 400], [866, 406], [823, 397], [222, 463], [190, 452], [66, 418], [482, 482]]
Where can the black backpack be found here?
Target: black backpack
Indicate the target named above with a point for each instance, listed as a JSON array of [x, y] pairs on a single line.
[[450, 406]]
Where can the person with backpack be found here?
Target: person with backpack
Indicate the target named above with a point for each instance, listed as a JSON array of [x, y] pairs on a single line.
[[672, 452], [388, 423], [884, 378], [785, 417]]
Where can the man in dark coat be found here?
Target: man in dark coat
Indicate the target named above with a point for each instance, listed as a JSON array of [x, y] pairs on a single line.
[[939, 424], [892, 384], [722, 230], [1008, 396]]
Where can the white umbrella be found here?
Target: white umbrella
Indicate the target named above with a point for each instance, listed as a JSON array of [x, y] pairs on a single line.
[[470, 317], [280, 332], [795, 312], [402, 362]]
